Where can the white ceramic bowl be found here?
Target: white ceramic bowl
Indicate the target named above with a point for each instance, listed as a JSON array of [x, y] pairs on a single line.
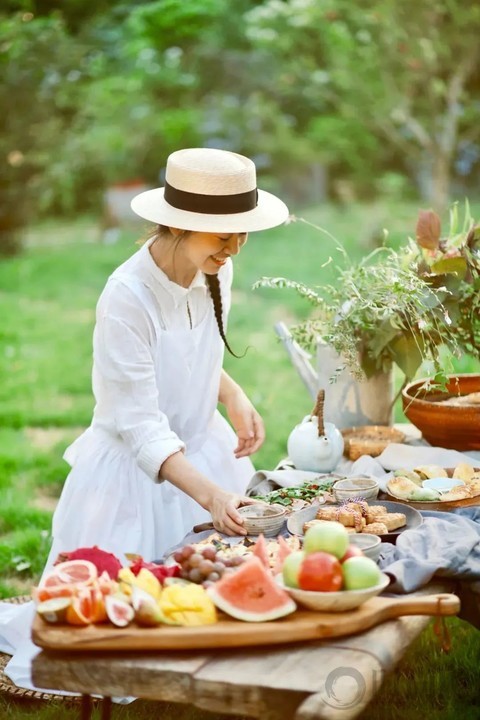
[[334, 601], [262, 518], [368, 544], [355, 487], [442, 484]]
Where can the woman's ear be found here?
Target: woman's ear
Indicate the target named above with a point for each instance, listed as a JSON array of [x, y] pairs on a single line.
[[175, 231]]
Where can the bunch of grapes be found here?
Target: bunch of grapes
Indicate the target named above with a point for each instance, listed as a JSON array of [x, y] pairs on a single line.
[[205, 566]]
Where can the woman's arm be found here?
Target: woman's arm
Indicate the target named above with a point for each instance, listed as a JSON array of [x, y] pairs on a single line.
[[220, 504], [245, 420]]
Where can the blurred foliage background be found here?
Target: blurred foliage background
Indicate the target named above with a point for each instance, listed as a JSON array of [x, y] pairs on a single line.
[[355, 112], [334, 100]]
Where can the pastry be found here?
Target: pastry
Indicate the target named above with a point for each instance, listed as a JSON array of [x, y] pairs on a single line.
[[393, 521], [329, 513], [374, 512], [410, 474], [405, 489], [375, 528], [457, 493], [464, 472], [430, 471], [310, 524]]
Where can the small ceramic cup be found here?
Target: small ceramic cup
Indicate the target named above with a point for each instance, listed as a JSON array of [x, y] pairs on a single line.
[[262, 518], [356, 487], [368, 544]]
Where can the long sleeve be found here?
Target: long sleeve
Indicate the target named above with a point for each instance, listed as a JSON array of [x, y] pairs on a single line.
[[125, 382]]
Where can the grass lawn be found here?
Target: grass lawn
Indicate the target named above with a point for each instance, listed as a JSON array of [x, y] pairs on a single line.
[[47, 302]]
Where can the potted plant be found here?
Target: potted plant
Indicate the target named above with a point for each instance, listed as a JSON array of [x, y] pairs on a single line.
[[400, 307]]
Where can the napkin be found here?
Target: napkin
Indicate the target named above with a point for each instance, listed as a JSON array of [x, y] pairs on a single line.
[[286, 475], [397, 456]]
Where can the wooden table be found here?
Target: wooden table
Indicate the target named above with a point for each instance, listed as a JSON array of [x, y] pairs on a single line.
[[327, 679]]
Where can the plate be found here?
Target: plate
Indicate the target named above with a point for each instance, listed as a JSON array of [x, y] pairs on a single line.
[[296, 521], [443, 506]]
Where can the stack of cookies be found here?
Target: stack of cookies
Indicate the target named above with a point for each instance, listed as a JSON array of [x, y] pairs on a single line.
[[360, 517]]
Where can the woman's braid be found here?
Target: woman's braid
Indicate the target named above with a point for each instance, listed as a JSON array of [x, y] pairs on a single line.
[[213, 283]]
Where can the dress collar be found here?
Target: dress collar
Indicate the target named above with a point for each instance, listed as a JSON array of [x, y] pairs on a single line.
[[177, 292]]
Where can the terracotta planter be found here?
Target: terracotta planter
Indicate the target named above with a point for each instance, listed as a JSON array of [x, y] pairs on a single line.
[[445, 425]]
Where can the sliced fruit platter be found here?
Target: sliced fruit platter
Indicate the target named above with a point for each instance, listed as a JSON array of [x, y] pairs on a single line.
[[204, 599], [436, 488]]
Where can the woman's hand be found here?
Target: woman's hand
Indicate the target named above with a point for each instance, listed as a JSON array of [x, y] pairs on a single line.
[[246, 422], [225, 517]]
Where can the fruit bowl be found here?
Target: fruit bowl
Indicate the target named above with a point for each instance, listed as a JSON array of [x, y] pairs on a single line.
[[446, 419], [334, 601]]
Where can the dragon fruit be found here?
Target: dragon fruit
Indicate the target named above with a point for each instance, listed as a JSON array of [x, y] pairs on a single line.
[[104, 561]]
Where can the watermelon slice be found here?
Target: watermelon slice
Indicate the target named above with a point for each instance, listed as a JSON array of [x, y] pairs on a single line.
[[284, 550], [250, 593], [260, 551]]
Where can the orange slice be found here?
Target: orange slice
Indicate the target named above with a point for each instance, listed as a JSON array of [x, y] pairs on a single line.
[[78, 612]]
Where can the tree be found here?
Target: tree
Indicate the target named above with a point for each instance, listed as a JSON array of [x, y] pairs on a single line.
[[407, 71], [41, 69]]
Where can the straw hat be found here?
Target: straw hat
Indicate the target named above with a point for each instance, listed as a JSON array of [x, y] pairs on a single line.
[[211, 191]]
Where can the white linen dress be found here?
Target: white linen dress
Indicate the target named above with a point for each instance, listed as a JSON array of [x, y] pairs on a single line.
[[157, 360]]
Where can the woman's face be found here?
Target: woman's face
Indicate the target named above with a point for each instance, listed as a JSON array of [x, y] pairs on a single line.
[[208, 252]]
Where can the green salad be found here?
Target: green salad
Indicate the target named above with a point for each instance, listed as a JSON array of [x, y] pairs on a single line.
[[307, 491]]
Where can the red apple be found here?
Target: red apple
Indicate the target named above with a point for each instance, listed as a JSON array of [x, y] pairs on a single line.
[[320, 572], [352, 551]]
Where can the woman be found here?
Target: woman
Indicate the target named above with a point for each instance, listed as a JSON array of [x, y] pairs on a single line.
[[158, 457]]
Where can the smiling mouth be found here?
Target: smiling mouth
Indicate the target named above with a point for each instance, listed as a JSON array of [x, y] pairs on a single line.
[[219, 261]]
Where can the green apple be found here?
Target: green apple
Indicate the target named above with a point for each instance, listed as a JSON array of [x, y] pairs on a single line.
[[360, 573], [291, 568], [328, 536]]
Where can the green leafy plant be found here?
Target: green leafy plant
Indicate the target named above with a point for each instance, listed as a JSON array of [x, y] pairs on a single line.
[[402, 307]]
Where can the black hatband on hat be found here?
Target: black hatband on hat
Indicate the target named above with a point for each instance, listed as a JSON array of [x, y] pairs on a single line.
[[211, 204]]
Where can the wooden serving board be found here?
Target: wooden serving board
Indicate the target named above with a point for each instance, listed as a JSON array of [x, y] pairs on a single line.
[[227, 632]]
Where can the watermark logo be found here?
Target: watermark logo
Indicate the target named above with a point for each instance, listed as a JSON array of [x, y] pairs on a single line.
[[345, 687]]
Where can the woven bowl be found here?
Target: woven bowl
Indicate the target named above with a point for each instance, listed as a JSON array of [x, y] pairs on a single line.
[[455, 426], [369, 440], [262, 519]]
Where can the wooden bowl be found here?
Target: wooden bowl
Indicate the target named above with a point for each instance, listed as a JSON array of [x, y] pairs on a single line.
[[445, 425]]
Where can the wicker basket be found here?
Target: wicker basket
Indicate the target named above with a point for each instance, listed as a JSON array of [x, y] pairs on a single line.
[[369, 440], [9, 688]]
